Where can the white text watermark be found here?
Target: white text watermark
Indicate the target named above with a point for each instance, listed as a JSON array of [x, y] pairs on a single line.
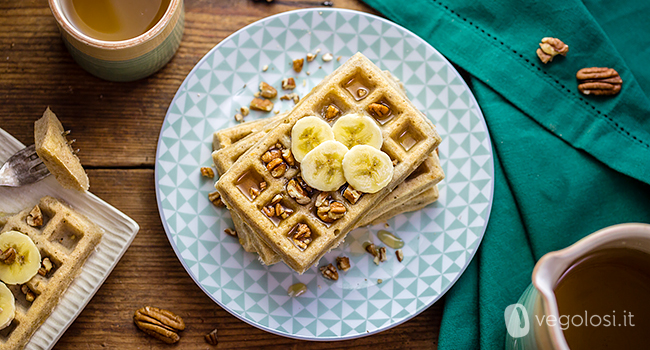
[[518, 322]]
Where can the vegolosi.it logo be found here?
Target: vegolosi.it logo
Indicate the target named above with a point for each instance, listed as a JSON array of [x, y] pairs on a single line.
[[517, 322]]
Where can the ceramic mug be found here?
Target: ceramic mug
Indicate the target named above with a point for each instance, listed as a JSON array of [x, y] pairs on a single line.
[[539, 299], [124, 60]]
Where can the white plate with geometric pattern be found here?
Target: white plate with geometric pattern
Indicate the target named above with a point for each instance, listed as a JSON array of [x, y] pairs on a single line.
[[440, 240]]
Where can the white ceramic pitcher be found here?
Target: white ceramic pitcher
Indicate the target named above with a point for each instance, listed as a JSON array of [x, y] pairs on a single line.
[[538, 300]]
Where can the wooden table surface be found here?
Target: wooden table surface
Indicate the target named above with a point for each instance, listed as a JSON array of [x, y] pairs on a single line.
[[116, 126]]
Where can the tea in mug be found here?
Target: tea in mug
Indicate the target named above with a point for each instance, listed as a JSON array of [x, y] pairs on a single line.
[[114, 20], [604, 300]]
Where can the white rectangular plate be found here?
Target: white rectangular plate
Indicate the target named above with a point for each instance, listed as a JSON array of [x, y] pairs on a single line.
[[119, 232]]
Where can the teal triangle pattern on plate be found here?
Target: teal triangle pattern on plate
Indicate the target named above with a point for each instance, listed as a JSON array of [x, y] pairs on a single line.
[[439, 241]]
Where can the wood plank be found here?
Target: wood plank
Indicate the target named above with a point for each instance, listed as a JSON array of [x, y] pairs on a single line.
[[150, 274]]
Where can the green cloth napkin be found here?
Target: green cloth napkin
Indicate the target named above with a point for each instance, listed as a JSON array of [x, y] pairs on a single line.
[[566, 164]]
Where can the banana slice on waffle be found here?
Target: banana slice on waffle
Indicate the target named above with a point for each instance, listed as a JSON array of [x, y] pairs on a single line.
[[22, 258], [367, 169], [307, 134], [322, 167], [7, 306], [355, 129]]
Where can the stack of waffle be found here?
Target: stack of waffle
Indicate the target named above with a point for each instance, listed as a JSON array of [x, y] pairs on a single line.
[[248, 187]]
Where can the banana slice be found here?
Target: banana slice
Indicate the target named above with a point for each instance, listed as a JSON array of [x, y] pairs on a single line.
[[308, 133], [7, 306], [354, 129], [322, 167], [367, 169], [27, 260]]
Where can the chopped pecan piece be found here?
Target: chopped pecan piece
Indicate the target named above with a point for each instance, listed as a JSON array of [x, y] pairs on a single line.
[[46, 267], [267, 90], [288, 83], [254, 192], [351, 194], [370, 248], [239, 118], [262, 186], [321, 198], [297, 64], [599, 81], [382, 254], [274, 163], [265, 68], [269, 211], [331, 211], [279, 209], [230, 232], [8, 256], [215, 198], [362, 92], [29, 295], [327, 57], [277, 167], [297, 192], [302, 237], [288, 157], [35, 217], [207, 172], [276, 199], [551, 47], [286, 212], [332, 112], [330, 272], [311, 56], [399, 254], [378, 109], [159, 323], [211, 338], [271, 154], [261, 104], [244, 110], [337, 210], [343, 263], [292, 96]]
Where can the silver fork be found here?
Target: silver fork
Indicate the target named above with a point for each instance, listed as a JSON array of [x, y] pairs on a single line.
[[23, 168]]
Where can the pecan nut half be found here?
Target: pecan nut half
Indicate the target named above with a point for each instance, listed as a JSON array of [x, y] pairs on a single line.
[[211, 338], [159, 323], [599, 81]]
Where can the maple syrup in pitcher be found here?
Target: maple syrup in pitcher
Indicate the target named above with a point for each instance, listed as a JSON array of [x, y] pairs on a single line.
[[609, 291], [114, 20]]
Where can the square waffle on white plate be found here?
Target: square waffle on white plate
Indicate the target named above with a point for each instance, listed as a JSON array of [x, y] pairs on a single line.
[[119, 232]]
